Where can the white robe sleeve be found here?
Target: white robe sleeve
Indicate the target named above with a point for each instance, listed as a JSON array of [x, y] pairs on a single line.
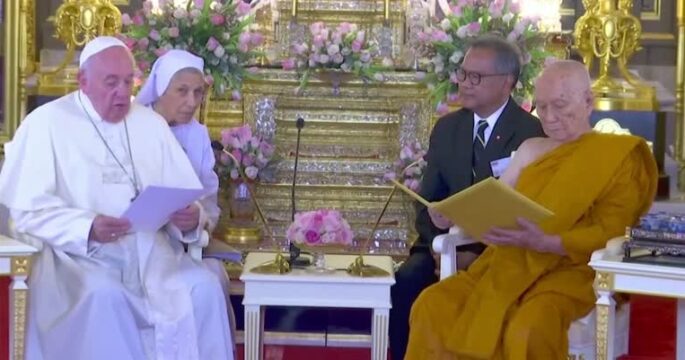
[[178, 172], [210, 182], [28, 187]]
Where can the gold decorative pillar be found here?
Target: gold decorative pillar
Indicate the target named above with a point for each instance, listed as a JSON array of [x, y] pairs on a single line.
[[10, 84], [680, 96], [606, 313], [20, 267]]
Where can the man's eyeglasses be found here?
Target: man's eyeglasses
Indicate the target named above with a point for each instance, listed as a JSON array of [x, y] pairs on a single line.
[[474, 77]]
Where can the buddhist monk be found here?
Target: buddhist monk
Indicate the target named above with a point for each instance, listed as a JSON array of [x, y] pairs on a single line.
[[518, 299]]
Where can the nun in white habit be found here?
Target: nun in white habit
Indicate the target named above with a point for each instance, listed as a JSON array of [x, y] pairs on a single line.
[[98, 289], [175, 89]]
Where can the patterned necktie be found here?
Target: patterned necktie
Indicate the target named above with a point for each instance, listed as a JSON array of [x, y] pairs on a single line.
[[479, 151]]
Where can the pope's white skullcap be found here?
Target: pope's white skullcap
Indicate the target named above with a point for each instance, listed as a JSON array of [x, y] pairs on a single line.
[[97, 45]]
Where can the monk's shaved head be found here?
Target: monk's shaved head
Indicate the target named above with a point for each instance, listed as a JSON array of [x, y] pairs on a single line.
[[564, 100], [570, 74]]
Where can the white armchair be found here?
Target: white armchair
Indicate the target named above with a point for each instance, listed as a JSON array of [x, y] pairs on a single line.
[[581, 335]]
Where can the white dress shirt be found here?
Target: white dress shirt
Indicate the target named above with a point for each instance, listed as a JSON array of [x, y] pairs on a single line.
[[492, 120]]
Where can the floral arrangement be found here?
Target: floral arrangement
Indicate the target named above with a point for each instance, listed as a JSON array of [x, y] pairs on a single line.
[[252, 152], [444, 45], [217, 31], [319, 228], [346, 48], [409, 167]]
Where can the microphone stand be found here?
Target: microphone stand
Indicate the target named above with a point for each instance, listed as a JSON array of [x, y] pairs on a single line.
[[358, 267], [293, 249]]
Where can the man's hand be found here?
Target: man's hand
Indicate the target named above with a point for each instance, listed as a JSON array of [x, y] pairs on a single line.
[[106, 229], [438, 220], [186, 219], [529, 236]]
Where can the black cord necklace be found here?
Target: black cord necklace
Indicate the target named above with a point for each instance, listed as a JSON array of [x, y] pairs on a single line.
[[133, 179]]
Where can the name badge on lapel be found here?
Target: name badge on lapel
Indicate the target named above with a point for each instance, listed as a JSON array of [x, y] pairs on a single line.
[[498, 166]]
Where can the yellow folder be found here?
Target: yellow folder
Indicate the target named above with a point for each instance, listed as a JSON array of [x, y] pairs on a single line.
[[489, 203]]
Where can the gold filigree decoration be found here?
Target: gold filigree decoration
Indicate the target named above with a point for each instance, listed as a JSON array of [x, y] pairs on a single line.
[[608, 32], [20, 266], [602, 331], [79, 21], [19, 323], [604, 281]]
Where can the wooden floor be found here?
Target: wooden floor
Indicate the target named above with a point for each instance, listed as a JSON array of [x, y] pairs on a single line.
[[652, 334]]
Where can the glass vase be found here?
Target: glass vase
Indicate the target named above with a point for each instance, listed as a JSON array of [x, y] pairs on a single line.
[[242, 209]]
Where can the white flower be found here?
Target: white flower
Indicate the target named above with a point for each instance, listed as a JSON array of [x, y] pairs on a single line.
[[219, 51], [456, 57], [461, 32], [333, 49], [251, 172], [234, 174], [346, 67], [445, 24], [507, 17]]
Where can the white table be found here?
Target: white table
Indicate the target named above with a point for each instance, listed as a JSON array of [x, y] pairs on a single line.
[[303, 288], [15, 260], [613, 276]]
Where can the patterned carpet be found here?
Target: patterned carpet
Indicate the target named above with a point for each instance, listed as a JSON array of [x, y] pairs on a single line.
[[652, 334]]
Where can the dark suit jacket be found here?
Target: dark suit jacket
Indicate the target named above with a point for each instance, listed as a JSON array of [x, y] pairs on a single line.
[[450, 155]]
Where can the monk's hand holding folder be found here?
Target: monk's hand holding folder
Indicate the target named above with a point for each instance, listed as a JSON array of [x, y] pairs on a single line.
[[486, 205], [528, 235]]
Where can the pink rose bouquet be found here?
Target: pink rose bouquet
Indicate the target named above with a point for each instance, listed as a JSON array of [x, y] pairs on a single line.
[[217, 31], [320, 228], [409, 167], [252, 152], [345, 48]]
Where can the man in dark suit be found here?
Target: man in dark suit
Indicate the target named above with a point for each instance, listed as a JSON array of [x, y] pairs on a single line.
[[466, 146]]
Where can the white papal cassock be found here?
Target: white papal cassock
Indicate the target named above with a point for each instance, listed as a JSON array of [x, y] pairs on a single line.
[[140, 297]]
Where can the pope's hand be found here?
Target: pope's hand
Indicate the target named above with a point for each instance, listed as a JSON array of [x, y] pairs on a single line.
[[107, 229], [438, 220], [186, 219]]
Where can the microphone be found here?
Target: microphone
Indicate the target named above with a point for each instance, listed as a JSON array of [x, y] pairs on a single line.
[[299, 124], [294, 250]]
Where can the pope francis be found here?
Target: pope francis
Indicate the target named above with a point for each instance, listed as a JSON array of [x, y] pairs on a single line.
[[98, 289]]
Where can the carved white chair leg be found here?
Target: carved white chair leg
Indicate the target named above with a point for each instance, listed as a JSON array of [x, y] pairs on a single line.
[[606, 323], [254, 331], [379, 334], [18, 298], [680, 330]]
